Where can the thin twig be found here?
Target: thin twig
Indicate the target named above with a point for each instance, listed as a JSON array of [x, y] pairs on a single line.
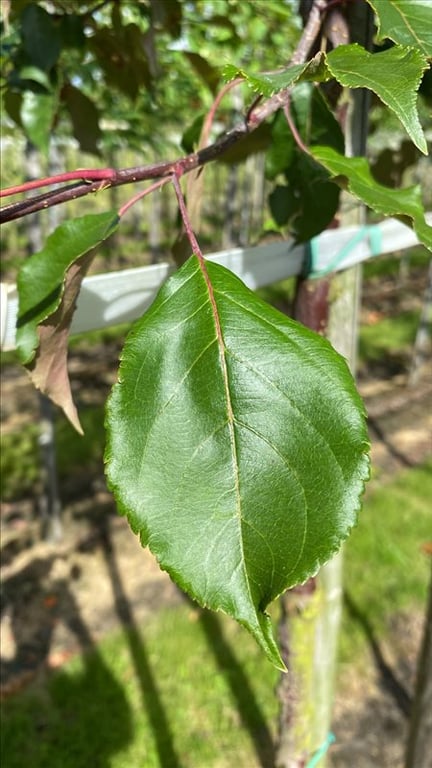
[[293, 128], [185, 216], [142, 194]]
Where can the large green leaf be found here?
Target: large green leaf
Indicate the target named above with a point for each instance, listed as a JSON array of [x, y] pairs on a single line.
[[408, 22], [354, 174], [237, 444], [355, 67], [41, 278]]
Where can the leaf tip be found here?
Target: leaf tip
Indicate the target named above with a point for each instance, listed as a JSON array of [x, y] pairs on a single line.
[[71, 414]]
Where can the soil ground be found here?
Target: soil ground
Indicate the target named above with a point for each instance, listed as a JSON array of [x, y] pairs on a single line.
[[51, 605]]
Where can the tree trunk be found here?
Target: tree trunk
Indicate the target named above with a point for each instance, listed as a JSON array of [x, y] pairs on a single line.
[[310, 614]]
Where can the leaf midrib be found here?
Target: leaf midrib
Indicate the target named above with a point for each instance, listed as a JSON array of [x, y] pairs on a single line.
[[230, 416]]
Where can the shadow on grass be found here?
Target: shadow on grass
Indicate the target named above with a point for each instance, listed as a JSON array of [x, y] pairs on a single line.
[[75, 720], [149, 691], [388, 679], [392, 449], [249, 710]]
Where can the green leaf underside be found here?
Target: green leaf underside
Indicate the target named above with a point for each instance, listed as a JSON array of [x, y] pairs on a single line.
[[268, 84], [407, 22], [354, 173], [237, 445], [41, 278], [355, 67]]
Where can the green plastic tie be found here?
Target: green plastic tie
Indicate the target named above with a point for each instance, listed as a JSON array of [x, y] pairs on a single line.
[[373, 232], [316, 757]]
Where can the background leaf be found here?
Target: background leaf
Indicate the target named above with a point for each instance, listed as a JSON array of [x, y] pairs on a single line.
[[254, 142], [315, 120], [236, 444], [281, 151], [308, 202], [354, 174], [37, 113], [209, 75], [84, 117], [121, 55], [41, 39], [408, 22]]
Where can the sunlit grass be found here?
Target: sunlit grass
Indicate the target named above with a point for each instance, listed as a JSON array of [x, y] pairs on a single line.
[[389, 265], [389, 337], [186, 692], [386, 571]]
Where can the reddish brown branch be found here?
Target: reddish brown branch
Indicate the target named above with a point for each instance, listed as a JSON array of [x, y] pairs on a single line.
[[183, 165]]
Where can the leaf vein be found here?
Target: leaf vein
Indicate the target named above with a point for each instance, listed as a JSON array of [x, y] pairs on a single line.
[[160, 336], [293, 407]]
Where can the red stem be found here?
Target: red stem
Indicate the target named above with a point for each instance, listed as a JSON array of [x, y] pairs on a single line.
[[293, 128], [208, 122], [142, 194], [185, 216], [85, 174]]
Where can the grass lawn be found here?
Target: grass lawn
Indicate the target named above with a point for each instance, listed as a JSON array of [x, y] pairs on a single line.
[[391, 337], [386, 571], [191, 689], [188, 690]]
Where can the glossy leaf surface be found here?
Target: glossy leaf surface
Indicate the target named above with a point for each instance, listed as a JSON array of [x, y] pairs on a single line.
[[355, 67], [236, 446], [354, 174]]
